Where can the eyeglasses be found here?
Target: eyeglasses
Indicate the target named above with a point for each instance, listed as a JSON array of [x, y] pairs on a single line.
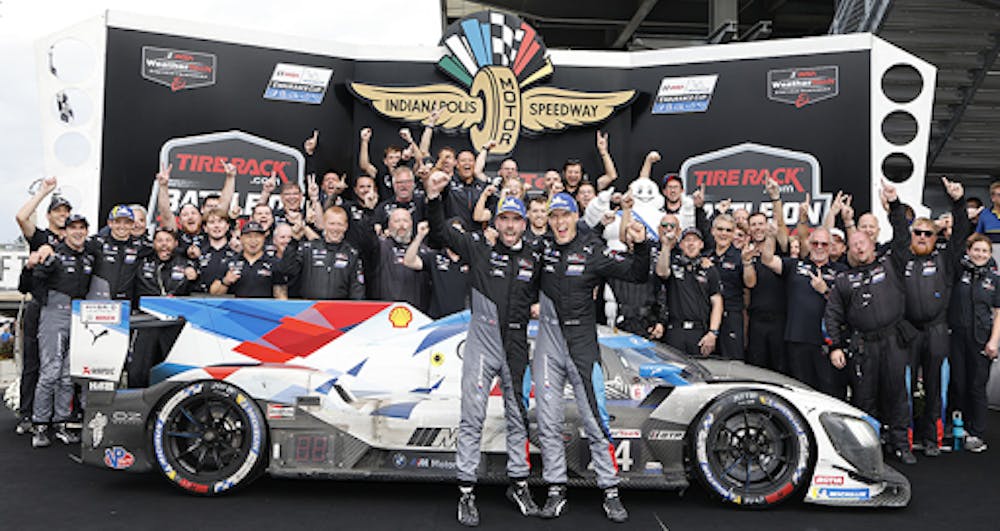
[[923, 232], [668, 225], [820, 244]]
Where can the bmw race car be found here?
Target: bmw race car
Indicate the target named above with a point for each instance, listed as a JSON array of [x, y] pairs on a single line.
[[370, 390]]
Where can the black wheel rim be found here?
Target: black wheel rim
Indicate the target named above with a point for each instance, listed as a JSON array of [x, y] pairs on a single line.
[[207, 436], [753, 450]]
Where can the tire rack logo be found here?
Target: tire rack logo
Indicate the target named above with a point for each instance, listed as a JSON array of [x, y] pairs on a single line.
[[738, 173], [178, 69], [803, 86], [199, 167], [494, 56]]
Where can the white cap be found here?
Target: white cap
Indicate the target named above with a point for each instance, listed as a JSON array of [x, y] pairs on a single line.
[[838, 233]]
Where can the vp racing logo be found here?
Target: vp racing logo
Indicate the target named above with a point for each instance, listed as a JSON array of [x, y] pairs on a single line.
[[494, 57]]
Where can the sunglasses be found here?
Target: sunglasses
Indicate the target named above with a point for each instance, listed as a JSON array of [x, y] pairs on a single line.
[[668, 225], [923, 232], [820, 244]]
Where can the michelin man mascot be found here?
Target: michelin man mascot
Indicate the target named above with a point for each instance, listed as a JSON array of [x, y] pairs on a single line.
[[647, 209]]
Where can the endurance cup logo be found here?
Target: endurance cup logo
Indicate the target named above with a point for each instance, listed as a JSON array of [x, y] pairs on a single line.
[[494, 56]]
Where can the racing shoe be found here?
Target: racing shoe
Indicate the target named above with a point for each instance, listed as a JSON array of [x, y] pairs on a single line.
[[975, 444], [520, 494], [905, 456], [66, 436], [40, 438], [613, 506], [468, 514], [931, 449], [555, 504]]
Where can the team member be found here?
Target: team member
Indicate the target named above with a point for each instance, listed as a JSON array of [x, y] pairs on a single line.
[[566, 351], [807, 283], [638, 304], [393, 280], [975, 320], [449, 274], [252, 273], [466, 186], [736, 275], [64, 275], [164, 273], [216, 252], [928, 276], [504, 285], [58, 211], [118, 257], [390, 160], [330, 269], [766, 311], [694, 292], [538, 220], [866, 305], [403, 197]]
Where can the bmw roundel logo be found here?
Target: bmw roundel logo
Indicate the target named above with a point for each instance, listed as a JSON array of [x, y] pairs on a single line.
[[399, 460]]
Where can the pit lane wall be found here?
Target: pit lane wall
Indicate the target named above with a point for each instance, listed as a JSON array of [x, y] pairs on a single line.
[[808, 111]]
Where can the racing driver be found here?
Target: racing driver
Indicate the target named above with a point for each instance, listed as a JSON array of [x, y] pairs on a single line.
[[504, 285]]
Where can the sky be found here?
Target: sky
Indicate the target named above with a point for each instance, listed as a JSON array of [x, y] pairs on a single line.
[[22, 22]]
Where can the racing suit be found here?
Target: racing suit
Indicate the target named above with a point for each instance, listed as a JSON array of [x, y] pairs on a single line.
[[566, 350], [504, 284], [928, 281], [865, 309], [326, 271], [116, 266], [64, 276]]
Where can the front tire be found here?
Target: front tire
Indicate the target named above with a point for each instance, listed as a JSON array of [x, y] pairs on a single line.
[[752, 448], [208, 438]]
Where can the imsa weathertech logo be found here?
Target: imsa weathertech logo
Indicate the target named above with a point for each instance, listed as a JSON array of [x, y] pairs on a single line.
[[494, 56]]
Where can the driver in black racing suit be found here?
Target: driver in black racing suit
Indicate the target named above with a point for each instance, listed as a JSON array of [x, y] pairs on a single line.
[[566, 351], [503, 281]]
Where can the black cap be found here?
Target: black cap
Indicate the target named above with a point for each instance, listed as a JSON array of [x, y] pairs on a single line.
[[253, 226], [692, 230], [58, 201], [77, 218]]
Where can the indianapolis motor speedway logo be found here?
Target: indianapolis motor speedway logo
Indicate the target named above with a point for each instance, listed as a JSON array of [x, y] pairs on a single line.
[[494, 57]]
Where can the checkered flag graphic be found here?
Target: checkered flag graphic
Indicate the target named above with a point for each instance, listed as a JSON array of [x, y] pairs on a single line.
[[506, 35]]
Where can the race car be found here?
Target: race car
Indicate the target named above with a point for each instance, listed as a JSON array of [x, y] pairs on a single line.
[[370, 390]]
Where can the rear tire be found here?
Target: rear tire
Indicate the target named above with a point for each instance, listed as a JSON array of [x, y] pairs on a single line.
[[208, 438], [752, 448]]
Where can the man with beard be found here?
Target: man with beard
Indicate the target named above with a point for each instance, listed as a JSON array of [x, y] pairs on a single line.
[[252, 273], [162, 274], [566, 351], [64, 274], [865, 314], [928, 277], [573, 176], [449, 273], [393, 281], [678, 204], [330, 269], [504, 285], [58, 211], [190, 237], [403, 197]]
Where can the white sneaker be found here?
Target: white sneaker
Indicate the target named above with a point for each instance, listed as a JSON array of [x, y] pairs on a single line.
[[975, 444]]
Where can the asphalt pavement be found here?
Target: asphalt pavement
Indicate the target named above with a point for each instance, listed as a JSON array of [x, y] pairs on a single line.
[[46, 489]]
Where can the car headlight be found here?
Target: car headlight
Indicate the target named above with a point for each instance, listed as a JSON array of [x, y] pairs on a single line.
[[856, 440]]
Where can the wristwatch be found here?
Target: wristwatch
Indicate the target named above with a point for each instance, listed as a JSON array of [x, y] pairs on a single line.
[[715, 331]]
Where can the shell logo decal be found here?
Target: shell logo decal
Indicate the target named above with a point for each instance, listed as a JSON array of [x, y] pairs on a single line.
[[400, 317], [437, 359]]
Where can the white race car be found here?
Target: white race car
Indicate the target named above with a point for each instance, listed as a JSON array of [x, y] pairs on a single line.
[[370, 390]]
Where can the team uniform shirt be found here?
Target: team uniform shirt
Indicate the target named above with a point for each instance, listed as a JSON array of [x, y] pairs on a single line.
[[449, 283], [690, 287], [67, 271], [730, 267], [117, 262], [975, 295], [257, 279], [416, 207], [805, 324], [462, 198], [324, 270], [187, 239], [212, 265], [164, 277]]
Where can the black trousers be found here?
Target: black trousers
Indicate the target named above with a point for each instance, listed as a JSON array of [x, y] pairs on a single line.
[[809, 364], [29, 358], [766, 342], [970, 371], [685, 339], [730, 344], [928, 351], [149, 346], [878, 381]]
